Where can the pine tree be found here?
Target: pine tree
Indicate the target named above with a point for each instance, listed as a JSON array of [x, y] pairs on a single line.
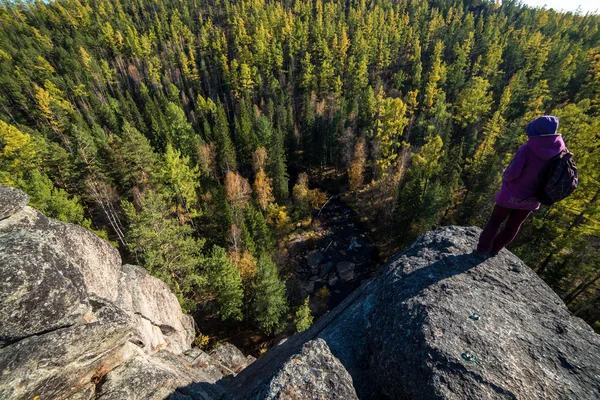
[[436, 77], [181, 133], [263, 185], [52, 201], [17, 154], [137, 163], [356, 169], [391, 121], [257, 226], [278, 167]]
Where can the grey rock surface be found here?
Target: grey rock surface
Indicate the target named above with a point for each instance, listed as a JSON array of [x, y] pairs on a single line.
[[333, 279], [41, 289], [160, 323], [97, 260], [406, 334], [159, 376], [59, 363], [229, 356], [314, 373], [211, 368], [11, 201]]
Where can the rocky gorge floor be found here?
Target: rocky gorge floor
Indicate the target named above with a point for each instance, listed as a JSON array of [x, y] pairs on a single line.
[[336, 254]]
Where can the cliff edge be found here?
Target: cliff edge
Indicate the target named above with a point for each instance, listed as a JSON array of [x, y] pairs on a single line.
[[438, 323]]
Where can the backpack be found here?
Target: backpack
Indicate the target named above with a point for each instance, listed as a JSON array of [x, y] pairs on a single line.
[[558, 180]]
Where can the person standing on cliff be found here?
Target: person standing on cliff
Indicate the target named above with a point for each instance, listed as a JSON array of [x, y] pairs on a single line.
[[516, 199]]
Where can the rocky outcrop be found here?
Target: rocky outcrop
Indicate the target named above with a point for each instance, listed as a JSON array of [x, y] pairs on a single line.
[[438, 323], [314, 373], [75, 322], [435, 323]]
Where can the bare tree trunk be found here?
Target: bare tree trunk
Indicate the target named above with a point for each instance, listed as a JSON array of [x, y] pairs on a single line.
[[587, 304], [101, 197], [580, 289]]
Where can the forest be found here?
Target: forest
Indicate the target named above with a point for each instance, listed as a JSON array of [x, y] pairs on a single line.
[[194, 134]]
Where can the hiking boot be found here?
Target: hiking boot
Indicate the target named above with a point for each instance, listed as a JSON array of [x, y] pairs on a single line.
[[481, 256]]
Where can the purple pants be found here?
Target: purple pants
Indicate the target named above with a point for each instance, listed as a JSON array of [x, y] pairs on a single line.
[[490, 239]]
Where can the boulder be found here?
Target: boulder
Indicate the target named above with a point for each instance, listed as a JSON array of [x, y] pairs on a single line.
[[313, 373], [325, 269], [11, 201], [333, 279], [77, 264], [411, 331], [213, 369], [487, 330], [308, 287], [314, 258], [98, 262], [345, 270], [163, 375], [41, 289], [229, 356]]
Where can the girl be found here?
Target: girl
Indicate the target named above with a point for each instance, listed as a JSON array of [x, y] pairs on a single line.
[[516, 199]]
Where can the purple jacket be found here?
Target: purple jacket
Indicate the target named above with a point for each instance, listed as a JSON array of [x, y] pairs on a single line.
[[519, 181]]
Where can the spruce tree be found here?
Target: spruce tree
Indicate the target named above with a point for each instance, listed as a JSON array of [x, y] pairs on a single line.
[[269, 305], [227, 283], [303, 318], [225, 149]]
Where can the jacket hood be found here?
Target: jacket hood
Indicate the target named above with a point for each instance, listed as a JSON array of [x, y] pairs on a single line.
[[546, 147]]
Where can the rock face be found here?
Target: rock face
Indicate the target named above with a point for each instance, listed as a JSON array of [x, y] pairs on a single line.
[[76, 323], [437, 323], [158, 318], [159, 376], [314, 373]]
